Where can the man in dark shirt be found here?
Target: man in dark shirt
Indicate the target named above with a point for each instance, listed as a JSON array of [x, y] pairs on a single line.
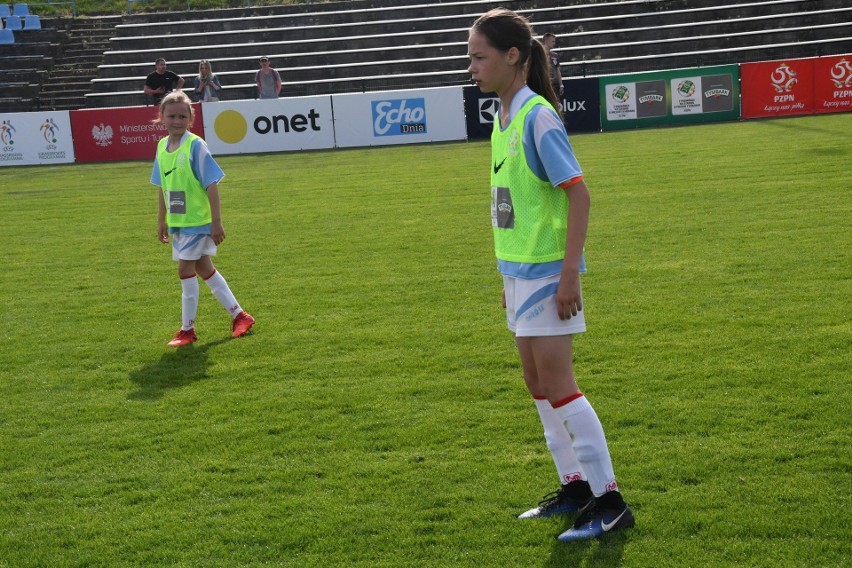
[[161, 81]]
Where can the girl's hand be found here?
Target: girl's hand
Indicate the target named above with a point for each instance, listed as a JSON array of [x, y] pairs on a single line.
[[218, 233], [162, 232], [568, 296], [504, 298]]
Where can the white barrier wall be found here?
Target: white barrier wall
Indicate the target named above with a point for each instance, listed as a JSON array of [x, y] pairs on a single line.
[[31, 138], [268, 125], [399, 117]]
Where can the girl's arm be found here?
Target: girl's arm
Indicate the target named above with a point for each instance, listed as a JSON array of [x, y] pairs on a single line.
[[568, 295], [216, 213], [162, 228]]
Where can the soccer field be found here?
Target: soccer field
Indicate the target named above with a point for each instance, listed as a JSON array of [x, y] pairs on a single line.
[[377, 416]]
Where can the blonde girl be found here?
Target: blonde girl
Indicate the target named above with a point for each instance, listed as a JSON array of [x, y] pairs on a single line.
[[189, 213]]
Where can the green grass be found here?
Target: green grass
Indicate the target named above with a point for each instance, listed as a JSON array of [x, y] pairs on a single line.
[[377, 416]]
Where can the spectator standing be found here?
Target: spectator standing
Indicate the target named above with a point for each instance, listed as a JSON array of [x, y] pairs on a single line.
[[161, 81], [549, 42], [207, 85], [268, 80]]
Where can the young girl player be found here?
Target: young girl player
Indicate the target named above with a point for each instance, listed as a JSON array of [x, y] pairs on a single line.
[[539, 215], [189, 213]]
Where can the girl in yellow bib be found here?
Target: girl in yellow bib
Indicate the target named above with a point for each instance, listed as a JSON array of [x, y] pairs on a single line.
[[189, 213], [539, 215]]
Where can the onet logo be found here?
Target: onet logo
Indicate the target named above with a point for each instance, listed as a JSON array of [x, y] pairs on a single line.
[[399, 116], [232, 127]]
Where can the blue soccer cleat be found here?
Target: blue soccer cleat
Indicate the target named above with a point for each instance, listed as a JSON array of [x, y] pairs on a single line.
[[570, 497], [595, 521]]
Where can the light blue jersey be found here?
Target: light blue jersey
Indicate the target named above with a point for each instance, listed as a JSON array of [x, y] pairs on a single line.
[[550, 157], [204, 168]]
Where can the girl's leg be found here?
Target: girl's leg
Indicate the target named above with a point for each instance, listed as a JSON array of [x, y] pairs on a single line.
[[218, 285], [555, 434], [554, 367], [189, 293]]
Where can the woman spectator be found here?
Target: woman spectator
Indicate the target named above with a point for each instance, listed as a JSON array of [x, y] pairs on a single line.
[[207, 85]]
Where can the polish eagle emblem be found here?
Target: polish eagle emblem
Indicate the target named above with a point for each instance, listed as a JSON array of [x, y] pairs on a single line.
[[102, 134]]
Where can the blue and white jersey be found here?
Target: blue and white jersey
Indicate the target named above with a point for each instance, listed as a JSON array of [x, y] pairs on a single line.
[[204, 168], [550, 157]]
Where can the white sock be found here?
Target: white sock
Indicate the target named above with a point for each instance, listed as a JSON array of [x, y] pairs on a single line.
[[223, 293], [559, 443], [188, 301], [589, 443]]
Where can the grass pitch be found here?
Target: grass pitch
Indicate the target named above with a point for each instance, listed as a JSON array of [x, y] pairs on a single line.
[[377, 415]]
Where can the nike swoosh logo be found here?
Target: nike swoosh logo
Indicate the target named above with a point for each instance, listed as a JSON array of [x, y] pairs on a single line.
[[607, 526], [498, 166], [170, 171]]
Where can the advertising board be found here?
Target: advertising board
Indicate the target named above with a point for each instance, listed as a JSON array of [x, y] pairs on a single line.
[[32, 138], [269, 125], [579, 102], [121, 133], [833, 84], [681, 96], [399, 117], [778, 88]]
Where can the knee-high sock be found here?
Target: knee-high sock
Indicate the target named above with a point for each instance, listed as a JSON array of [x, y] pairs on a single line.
[[188, 301], [589, 442], [223, 293], [559, 443]]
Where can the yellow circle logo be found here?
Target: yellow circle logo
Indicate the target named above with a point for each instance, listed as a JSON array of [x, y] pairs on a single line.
[[230, 126]]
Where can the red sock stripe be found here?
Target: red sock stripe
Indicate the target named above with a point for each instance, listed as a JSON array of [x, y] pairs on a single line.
[[539, 397], [566, 400], [187, 277], [211, 275]]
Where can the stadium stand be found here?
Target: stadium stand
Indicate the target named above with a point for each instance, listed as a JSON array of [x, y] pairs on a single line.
[[5, 11], [21, 10], [361, 45], [353, 46]]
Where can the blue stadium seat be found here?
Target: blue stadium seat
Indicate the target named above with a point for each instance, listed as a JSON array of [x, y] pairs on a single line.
[[32, 22], [4, 10], [14, 23], [21, 10], [6, 37]]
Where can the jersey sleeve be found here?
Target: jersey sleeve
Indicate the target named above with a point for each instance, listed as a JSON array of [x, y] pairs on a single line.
[[204, 166], [155, 174], [548, 150]]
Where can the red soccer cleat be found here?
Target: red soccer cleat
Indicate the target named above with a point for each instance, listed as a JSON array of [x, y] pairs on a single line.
[[241, 324], [183, 337]]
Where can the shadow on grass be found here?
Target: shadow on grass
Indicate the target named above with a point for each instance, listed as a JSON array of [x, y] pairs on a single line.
[[605, 552], [176, 368]]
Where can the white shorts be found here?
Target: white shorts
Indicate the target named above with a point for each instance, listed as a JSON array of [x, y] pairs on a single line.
[[531, 308], [192, 247]]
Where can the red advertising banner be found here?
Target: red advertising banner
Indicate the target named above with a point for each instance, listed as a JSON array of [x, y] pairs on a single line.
[[126, 133], [833, 84], [777, 88]]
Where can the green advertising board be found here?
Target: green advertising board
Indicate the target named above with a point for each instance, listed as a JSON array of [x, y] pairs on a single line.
[[665, 98]]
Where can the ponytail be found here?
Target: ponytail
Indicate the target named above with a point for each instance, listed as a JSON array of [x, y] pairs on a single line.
[[538, 76]]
